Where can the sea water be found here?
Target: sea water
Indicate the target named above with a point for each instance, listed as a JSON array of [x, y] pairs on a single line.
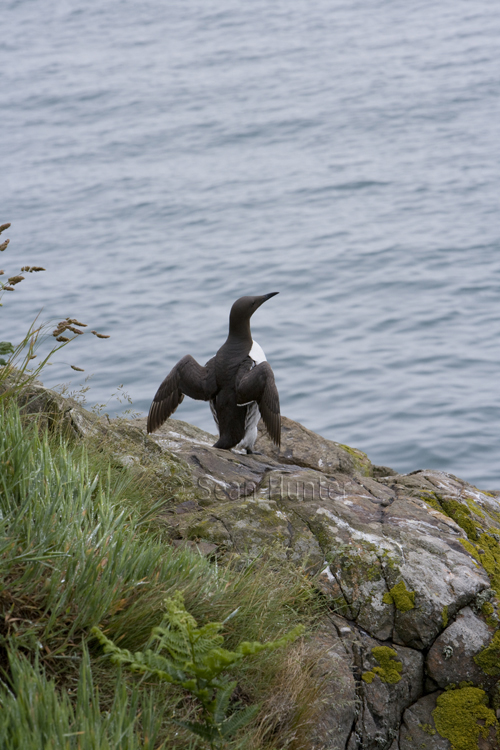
[[162, 159]]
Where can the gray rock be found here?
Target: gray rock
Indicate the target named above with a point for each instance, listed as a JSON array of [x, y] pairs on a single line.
[[383, 702], [451, 658], [418, 731], [301, 447], [341, 704]]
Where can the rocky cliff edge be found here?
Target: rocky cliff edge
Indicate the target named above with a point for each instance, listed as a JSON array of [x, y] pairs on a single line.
[[409, 566]]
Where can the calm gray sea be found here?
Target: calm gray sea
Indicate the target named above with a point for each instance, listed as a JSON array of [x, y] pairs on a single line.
[[162, 159]]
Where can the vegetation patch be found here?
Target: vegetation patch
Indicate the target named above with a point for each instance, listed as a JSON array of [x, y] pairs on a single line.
[[474, 507], [461, 515], [489, 658], [361, 461], [487, 552], [193, 659], [462, 717], [390, 668], [399, 595], [444, 616], [431, 499], [83, 542], [428, 729]]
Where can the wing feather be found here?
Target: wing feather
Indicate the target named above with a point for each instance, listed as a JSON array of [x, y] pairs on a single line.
[[258, 385], [187, 378]]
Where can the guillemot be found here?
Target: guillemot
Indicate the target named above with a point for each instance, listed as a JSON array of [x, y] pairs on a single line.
[[238, 382]]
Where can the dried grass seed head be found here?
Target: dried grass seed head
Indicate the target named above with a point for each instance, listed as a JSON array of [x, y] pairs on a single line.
[[3, 227], [4, 245], [75, 322], [78, 369], [100, 335], [16, 279], [62, 338], [61, 327]]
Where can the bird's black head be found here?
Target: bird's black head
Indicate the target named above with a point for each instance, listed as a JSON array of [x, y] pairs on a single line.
[[242, 311]]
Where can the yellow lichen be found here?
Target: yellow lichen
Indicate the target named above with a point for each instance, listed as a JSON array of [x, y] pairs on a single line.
[[428, 729], [461, 515], [474, 507], [457, 716], [444, 615], [431, 499], [399, 595], [489, 658], [487, 552], [389, 670]]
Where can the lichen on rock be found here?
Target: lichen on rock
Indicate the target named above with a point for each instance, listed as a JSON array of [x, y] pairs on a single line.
[[399, 595], [489, 658], [444, 615], [462, 716], [390, 668]]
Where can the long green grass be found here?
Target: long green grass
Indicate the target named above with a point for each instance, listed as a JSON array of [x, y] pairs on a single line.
[[82, 544]]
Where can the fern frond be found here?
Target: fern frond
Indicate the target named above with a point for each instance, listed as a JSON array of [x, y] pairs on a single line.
[[222, 702], [247, 648], [202, 730], [194, 659], [238, 720]]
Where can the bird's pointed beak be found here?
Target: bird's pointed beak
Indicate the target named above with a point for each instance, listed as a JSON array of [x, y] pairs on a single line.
[[260, 300]]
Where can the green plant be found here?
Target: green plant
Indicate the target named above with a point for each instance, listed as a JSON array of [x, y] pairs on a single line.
[[194, 659], [35, 714], [83, 540]]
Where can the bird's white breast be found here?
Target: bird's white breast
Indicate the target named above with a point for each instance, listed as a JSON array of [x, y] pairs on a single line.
[[257, 353]]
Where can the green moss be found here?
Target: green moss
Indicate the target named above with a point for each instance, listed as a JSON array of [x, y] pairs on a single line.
[[428, 729], [461, 515], [457, 716], [489, 658], [431, 499], [488, 611], [444, 615], [487, 552], [361, 461], [399, 595], [389, 670], [493, 514], [471, 548], [487, 608], [389, 562], [473, 506]]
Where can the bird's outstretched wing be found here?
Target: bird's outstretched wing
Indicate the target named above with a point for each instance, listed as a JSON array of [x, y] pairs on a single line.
[[258, 385], [187, 378]]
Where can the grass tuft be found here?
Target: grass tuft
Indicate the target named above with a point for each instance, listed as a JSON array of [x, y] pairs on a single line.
[[83, 544]]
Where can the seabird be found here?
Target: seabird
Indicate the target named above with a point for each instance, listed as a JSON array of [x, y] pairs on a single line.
[[238, 382]]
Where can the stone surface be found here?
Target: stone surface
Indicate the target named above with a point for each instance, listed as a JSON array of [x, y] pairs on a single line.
[[418, 731], [302, 447], [341, 704], [451, 658]]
